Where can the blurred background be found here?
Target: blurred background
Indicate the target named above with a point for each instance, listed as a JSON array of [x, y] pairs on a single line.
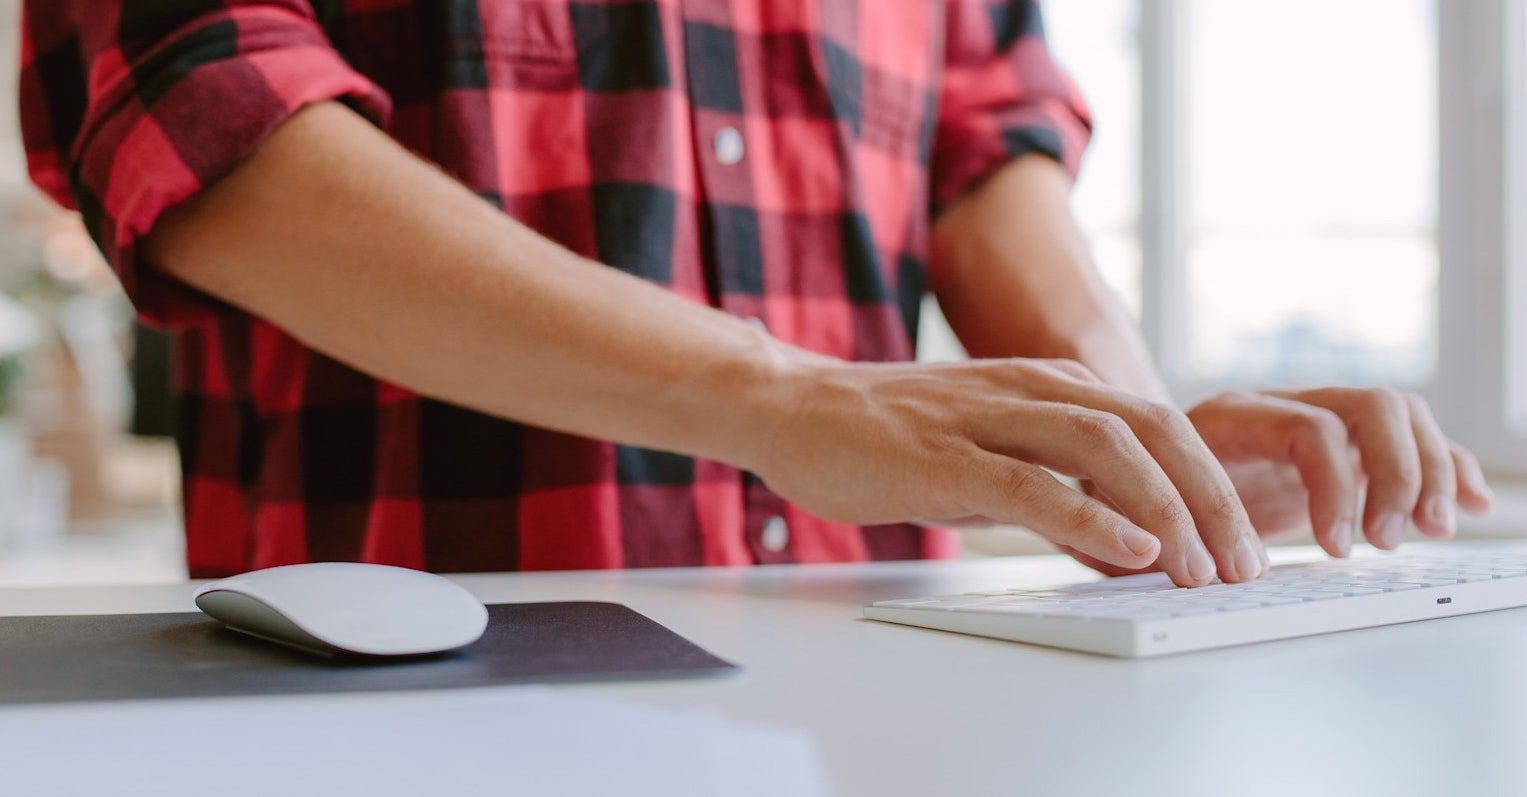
[[1312, 191], [88, 474]]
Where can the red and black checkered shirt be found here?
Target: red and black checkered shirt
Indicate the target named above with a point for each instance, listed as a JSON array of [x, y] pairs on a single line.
[[778, 159]]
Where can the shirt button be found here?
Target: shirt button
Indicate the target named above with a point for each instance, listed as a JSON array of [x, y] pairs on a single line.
[[728, 145], [776, 534]]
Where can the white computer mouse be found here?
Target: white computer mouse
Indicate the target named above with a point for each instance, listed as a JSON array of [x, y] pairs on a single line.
[[345, 607]]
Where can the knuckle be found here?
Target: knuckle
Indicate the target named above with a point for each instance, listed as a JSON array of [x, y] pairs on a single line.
[[1020, 374], [1086, 518], [1396, 481], [1225, 509], [1318, 423], [1071, 368], [1386, 401], [1435, 458], [1406, 477], [1223, 406], [1417, 406], [1172, 514], [1100, 430], [1024, 482], [1021, 366], [1170, 421], [1233, 397], [945, 440]]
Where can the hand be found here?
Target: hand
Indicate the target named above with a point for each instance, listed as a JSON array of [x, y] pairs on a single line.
[[878, 443], [1300, 458]]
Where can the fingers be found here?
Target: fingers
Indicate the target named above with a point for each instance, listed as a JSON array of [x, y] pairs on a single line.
[[1380, 425], [1218, 536], [1433, 511], [1018, 492], [1101, 566], [1413, 471], [1340, 440], [1251, 426], [1105, 448], [1474, 495], [1219, 519]]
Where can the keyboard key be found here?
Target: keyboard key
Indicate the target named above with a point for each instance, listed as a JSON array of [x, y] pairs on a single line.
[[1098, 614], [1350, 591], [1317, 595], [1231, 606], [1395, 586], [1021, 608], [1277, 600], [1193, 611]]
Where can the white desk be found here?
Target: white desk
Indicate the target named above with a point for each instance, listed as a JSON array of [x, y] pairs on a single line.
[[1434, 708]]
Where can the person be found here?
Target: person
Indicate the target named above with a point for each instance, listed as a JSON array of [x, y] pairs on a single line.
[[538, 284]]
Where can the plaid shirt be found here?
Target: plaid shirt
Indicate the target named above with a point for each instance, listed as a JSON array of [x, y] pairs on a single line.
[[778, 159]]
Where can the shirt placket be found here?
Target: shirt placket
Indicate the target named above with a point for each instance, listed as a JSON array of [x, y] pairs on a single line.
[[719, 124]]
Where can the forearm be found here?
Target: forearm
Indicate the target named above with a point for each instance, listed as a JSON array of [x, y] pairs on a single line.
[[1013, 275], [368, 254], [364, 252]]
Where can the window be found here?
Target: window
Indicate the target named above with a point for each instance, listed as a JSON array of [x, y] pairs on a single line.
[[1309, 164], [1281, 228]]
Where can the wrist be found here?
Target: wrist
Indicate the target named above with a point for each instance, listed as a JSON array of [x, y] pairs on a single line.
[[762, 395], [733, 408]]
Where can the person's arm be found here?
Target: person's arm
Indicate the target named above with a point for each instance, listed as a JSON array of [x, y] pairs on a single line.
[[337, 234], [1014, 276]]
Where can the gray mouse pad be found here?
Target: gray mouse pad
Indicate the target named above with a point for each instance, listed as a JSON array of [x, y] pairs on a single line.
[[106, 656]]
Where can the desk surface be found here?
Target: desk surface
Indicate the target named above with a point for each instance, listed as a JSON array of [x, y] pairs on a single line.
[[1438, 707]]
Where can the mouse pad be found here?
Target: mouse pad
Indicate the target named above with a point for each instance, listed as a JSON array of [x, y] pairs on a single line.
[[96, 657]]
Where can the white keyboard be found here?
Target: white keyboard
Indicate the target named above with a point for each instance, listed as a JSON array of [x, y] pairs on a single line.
[[1146, 615]]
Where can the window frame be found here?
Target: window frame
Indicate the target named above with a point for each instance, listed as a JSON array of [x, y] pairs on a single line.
[[1482, 204], [1163, 193]]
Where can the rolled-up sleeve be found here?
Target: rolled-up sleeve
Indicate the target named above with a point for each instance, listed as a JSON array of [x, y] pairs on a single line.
[[129, 108], [1002, 96]]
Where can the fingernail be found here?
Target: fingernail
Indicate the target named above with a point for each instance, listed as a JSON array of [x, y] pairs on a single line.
[[1391, 527], [1341, 537], [1200, 564], [1440, 509], [1138, 541], [1248, 564]]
